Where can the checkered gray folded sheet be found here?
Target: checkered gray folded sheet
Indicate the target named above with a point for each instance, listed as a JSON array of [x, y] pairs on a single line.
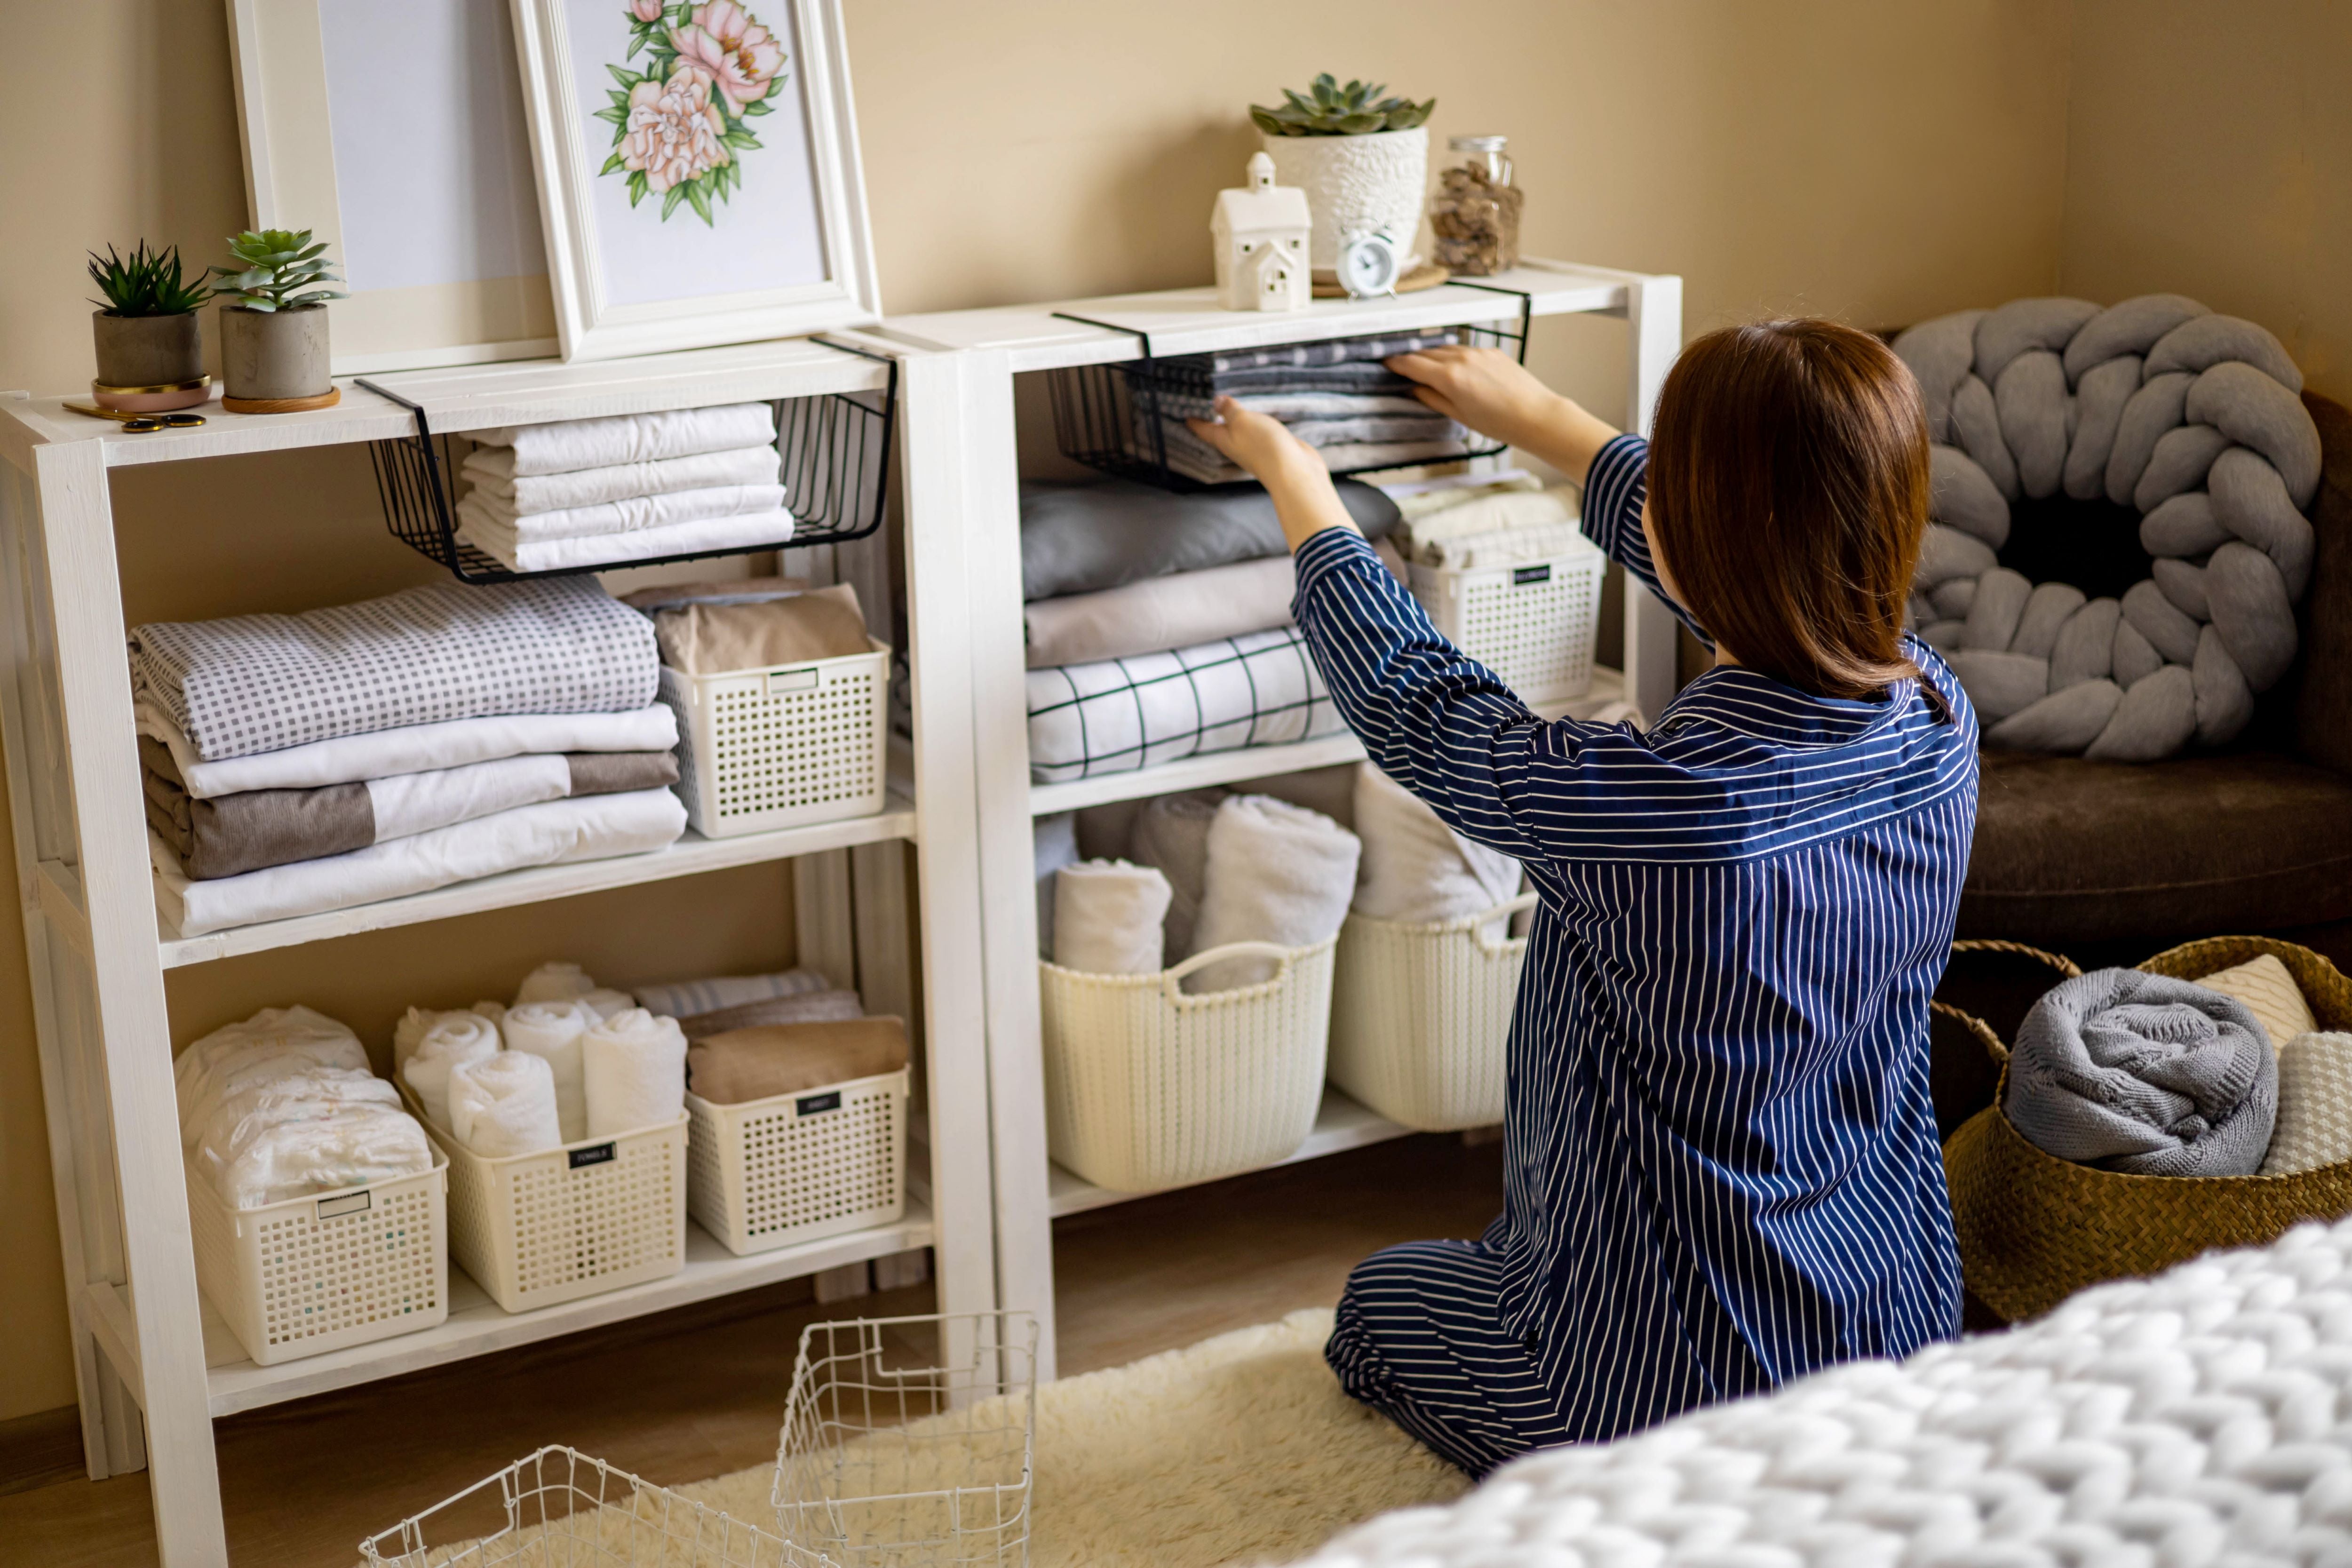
[[1122, 715]]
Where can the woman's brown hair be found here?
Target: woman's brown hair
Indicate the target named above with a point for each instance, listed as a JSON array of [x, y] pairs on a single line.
[[1788, 494]]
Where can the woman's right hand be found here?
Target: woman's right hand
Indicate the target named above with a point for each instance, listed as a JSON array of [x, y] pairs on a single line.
[[1500, 398]]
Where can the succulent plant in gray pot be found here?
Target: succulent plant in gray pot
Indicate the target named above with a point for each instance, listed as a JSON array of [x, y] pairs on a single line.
[[274, 344], [150, 340]]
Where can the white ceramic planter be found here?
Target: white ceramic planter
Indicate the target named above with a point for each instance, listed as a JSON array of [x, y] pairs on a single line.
[[1354, 184]]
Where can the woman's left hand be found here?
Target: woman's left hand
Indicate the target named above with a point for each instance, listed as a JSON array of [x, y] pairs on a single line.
[[1291, 470]]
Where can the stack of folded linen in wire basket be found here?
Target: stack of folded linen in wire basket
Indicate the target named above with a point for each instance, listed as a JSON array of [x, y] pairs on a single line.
[[637, 486], [297, 763], [1336, 396]]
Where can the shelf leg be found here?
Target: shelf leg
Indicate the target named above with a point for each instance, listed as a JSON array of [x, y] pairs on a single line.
[[1653, 315]]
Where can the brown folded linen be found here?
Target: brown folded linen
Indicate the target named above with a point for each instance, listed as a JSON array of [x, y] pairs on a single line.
[[759, 1063], [808, 1007], [710, 639]]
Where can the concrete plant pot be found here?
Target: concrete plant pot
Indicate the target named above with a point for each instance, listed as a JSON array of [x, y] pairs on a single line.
[[1354, 185], [274, 355], [149, 363]]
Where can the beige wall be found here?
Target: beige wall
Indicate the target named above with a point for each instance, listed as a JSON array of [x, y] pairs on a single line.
[[1846, 156]]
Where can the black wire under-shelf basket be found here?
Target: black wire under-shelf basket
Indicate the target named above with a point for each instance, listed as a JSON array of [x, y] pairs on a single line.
[[836, 474], [1109, 417]]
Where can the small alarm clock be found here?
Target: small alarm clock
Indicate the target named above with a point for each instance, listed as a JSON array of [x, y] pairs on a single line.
[[1368, 264]]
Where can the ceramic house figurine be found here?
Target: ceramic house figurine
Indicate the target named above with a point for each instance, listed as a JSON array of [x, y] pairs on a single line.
[[1260, 232]]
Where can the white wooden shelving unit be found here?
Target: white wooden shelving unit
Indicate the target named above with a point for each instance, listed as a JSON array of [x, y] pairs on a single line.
[[152, 1371], [995, 346]]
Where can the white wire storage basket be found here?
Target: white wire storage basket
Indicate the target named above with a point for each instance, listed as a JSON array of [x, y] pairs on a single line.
[[798, 1167], [1420, 1016], [783, 746], [573, 1221], [323, 1273], [562, 1509], [1147, 1087], [909, 1442], [1536, 624]]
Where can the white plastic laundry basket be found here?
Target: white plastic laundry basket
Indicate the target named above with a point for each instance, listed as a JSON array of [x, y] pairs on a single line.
[[317, 1274], [798, 1167], [1421, 1016], [591, 1216], [783, 746], [1535, 623], [1147, 1088]]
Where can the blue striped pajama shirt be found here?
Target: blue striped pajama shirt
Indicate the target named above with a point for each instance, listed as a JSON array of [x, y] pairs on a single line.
[[1721, 1168]]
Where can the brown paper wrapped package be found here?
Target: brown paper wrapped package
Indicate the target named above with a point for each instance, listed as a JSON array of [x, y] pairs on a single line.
[[768, 1059], [710, 639]]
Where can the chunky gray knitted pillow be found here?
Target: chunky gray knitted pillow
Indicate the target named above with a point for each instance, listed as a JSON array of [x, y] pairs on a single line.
[[2190, 418]]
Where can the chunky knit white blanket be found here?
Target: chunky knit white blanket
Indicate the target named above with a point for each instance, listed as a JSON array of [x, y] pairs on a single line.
[[2204, 1417]]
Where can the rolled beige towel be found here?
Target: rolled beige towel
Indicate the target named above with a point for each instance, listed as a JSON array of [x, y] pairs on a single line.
[[454, 1038], [1278, 873], [504, 1105], [634, 1064], [551, 1031], [554, 981], [1108, 917]]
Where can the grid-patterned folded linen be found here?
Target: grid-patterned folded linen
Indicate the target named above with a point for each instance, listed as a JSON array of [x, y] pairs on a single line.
[[1122, 715]]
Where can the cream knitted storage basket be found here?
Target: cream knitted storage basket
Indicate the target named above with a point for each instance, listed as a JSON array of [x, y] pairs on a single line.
[[324, 1273], [1147, 1088], [1536, 624], [1421, 1016], [782, 747], [798, 1167], [579, 1220]]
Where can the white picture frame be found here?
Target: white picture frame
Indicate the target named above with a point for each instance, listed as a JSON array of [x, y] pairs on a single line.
[[739, 253], [395, 133]]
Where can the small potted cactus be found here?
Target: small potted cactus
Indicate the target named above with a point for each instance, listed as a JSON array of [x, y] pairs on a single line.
[[150, 343], [274, 319], [1362, 159]]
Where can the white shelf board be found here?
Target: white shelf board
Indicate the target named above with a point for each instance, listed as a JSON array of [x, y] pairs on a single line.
[[476, 1326], [1260, 762], [690, 855], [1340, 1124], [1189, 320], [473, 397]]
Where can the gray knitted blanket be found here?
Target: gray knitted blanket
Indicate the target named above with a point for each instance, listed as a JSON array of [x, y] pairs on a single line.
[[2144, 1074]]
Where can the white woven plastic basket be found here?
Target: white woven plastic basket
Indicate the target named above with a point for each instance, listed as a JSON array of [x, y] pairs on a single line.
[[1147, 1088], [1421, 1016], [1535, 625], [783, 746], [591, 1216], [798, 1167], [317, 1274]]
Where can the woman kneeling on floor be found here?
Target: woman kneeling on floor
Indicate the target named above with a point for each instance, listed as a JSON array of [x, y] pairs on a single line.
[[1721, 1169]]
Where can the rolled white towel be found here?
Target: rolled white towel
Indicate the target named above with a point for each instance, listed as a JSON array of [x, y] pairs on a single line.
[[1415, 869], [635, 1067], [1278, 873], [604, 1001], [1108, 917], [456, 1037], [555, 982], [551, 1031], [504, 1105], [1172, 834]]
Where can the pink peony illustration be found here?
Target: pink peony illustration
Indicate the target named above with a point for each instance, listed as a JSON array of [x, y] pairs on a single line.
[[673, 129], [727, 43], [645, 10]]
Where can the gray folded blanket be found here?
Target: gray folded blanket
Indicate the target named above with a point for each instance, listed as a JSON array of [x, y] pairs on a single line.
[[1078, 539], [2144, 1074]]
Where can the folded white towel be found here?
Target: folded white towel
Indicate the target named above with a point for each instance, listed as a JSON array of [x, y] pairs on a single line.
[[622, 481], [1108, 916], [1415, 869], [2314, 1104], [1056, 839], [1171, 835], [554, 981], [339, 1146], [604, 1001], [1278, 873], [634, 1065], [296, 1036], [638, 512], [504, 1105], [570, 444], [1506, 547], [521, 554], [690, 998], [1492, 513], [551, 1031], [454, 1038]]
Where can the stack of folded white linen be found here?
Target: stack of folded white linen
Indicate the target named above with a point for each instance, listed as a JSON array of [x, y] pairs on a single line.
[[635, 487], [284, 1105], [299, 763], [1468, 520]]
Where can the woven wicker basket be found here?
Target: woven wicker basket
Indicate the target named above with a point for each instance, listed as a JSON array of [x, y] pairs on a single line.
[[2033, 1228]]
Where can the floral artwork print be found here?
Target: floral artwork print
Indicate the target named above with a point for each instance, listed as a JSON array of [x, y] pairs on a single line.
[[678, 122]]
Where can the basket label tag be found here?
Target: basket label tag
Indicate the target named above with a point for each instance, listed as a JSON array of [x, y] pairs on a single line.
[[783, 680], [1523, 575], [594, 1155], [813, 1104], [350, 1202]]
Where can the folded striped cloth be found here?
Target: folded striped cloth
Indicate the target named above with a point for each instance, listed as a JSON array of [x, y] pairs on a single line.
[[663, 511], [490, 470], [1351, 448], [1295, 356], [1122, 715]]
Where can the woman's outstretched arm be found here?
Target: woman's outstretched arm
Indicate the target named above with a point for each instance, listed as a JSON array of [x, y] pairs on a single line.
[[1500, 398]]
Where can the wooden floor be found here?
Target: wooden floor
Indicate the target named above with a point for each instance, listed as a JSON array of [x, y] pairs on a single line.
[[697, 1391]]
